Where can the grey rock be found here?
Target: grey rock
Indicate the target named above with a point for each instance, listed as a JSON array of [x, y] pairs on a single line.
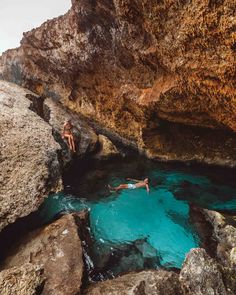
[[200, 275], [224, 232], [29, 167], [23, 280]]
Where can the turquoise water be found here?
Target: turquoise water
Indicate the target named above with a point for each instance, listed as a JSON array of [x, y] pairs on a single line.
[[135, 230]]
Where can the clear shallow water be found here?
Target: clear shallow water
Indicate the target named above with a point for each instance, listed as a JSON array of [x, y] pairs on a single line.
[[135, 230]]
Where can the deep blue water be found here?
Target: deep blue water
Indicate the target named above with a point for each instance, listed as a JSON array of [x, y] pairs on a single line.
[[135, 230]]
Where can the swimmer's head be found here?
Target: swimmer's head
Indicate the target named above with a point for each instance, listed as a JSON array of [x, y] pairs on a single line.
[[146, 180]]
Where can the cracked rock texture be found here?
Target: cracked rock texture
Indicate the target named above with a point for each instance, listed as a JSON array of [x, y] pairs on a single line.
[[149, 282], [158, 73], [57, 247], [200, 275], [224, 232], [28, 156], [23, 280]]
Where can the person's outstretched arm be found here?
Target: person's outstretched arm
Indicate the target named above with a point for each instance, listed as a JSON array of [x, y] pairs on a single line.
[[133, 179], [147, 188]]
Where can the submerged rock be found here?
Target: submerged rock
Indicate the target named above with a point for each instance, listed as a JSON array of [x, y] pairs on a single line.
[[200, 275], [57, 247], [161, 74], [114, 259], [23, 280], [28, 154], [150, 282]]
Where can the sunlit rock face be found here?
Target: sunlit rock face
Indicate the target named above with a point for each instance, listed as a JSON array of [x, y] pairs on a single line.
[[146, 70]]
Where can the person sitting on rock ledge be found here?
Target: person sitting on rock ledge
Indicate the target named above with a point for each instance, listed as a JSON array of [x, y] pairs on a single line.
[[68, 134], [138, 184]]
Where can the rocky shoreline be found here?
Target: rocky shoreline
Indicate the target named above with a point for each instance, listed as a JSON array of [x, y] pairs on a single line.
[[53, 259]]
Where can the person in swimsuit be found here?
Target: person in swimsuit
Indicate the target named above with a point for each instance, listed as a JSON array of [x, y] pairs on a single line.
[[68, 134], [138, 184]]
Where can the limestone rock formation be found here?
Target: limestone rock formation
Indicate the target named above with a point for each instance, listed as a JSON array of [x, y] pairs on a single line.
[[57, 247], [149, 282], [200, 275], [107, 148], [225, 234], [24, 280], [33, 152], [160, 74], [28, 156], [85, 137]]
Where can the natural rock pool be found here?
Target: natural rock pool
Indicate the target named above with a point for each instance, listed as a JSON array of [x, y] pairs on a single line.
[[134, 230]]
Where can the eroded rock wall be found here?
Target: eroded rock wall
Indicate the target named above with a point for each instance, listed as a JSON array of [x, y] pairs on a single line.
[[29, 166], [138, 68], [32, 151]]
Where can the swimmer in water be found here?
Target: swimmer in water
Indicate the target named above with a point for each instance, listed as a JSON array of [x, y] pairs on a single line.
[[138, 184]]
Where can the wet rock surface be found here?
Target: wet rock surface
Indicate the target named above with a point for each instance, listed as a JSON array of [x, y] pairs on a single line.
[[161, 75], [204, 229], [146, 283], [123, 258], [57, 247], [200, 275], [28, 156], [23, 280]]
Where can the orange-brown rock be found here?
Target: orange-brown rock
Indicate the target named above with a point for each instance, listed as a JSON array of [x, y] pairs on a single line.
[[159, 73]]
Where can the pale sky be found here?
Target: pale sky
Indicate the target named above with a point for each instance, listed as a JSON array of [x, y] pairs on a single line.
[[18, 16]]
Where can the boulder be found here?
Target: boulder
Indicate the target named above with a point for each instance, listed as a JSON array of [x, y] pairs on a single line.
[[57, 247], [224, 232], [150, 282], [24, 280], [28, 156], [200, 275]]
